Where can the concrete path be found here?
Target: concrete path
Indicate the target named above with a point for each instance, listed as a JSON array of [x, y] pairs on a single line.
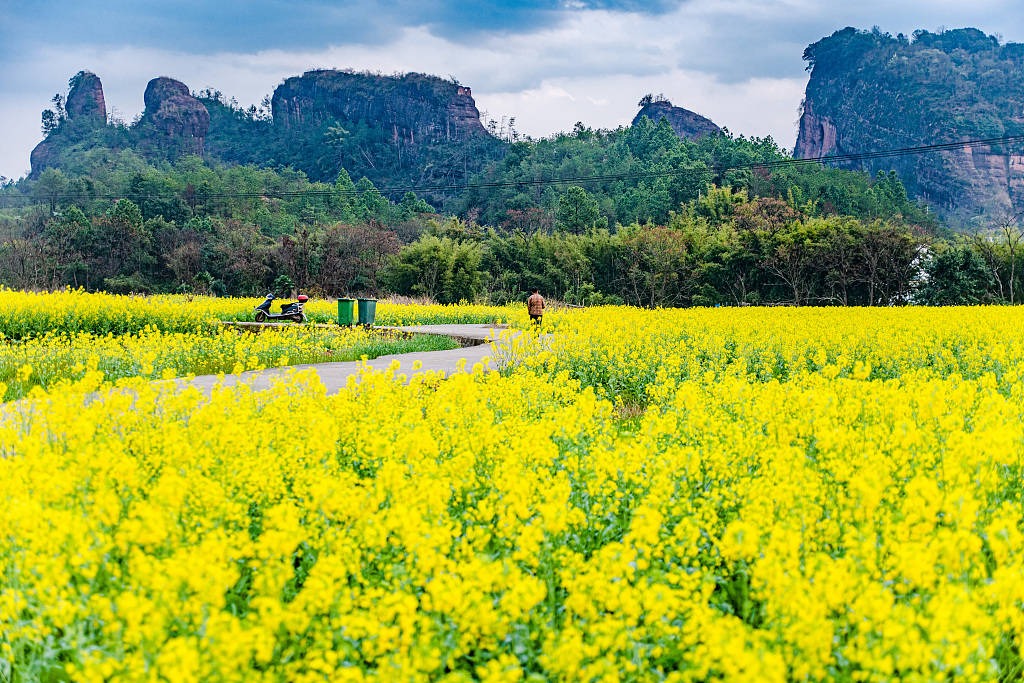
[[475, 339]]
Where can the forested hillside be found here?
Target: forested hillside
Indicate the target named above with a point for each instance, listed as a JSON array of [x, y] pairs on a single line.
[[871, 91], [360, 184], [408, 130], [635, 215], [641, 174], [124, 225]]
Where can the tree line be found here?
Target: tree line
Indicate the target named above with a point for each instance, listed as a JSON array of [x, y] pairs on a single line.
[[653, 220], [725, 248]]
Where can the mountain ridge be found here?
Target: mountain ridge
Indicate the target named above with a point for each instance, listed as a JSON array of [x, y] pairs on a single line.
[[867, 91], [870, 90], [686, 124], [321, 122]]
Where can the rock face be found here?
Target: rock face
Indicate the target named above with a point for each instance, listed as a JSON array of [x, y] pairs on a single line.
[[85, 99], [173, 123], [86, 110], [44, 155], [687, 124], [817, 136], [390, 129], [182, 119], [870, 92], [414, 108]]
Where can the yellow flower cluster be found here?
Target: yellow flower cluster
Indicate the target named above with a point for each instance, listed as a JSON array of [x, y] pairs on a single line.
[[390, 313], [628, 353], [27, 314], [770, 495], [53, 358]]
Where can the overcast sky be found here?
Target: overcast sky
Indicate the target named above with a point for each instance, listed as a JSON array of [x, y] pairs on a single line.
[[548, 63]]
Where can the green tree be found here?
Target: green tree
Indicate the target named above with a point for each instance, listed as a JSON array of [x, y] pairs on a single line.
[[956, 276], [49, 122], [64, 238], [577, 211], [657, 270], [242, 257], [50, 186], [794, 256], [124, 239], [443, 269], [718, 204], [158, 194]]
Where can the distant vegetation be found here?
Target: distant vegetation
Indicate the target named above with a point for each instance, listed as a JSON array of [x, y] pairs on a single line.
[[634, 215], [871, 91], [323, 147]]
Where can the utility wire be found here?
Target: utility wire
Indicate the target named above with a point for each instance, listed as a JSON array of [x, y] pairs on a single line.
[[494, 185]]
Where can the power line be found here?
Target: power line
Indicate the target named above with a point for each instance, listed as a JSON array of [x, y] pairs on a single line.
[[538, 182]]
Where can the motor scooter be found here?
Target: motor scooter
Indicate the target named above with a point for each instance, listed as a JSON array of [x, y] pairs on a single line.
[[289, 311]]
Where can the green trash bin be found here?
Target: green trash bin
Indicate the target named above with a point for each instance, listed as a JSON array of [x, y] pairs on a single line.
[[346, 311], [367, 311]]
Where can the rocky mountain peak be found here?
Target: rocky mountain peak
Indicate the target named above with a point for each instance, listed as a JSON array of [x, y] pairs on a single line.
[[85, 99], [870, 91], [173, 111], [687, 124], [85, 110], [413, 108]]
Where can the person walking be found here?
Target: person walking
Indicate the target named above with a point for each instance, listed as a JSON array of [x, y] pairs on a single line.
[[535, 306]]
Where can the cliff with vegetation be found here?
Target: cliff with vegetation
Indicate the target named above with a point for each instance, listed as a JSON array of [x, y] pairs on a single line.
[[395, 130], [686, 124], [871, 91], [74, 119], [200, 194], [412, 109], [407, 129]]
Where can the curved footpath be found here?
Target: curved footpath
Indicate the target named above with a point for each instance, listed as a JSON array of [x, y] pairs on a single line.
[[335, 375]]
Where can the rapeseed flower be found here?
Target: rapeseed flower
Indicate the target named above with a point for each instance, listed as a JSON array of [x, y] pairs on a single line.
[[695, 495]]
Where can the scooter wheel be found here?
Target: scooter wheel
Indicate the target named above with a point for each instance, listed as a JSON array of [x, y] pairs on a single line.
[[260, 316], [299, 318]]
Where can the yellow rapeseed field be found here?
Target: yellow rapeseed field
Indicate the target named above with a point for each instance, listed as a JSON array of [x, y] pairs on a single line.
[[27, 314], [719, 494], [49, 359]]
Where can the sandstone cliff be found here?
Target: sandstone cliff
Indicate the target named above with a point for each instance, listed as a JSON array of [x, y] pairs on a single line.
[[174, 123], [414, 108], [85, 111], [391, 129], [180, 119], [687, 124], [410, 128], [85, 99], [870, 91]]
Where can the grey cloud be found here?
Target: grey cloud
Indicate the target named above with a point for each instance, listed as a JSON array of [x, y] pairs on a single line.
[[738, 41], [253, 25]]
